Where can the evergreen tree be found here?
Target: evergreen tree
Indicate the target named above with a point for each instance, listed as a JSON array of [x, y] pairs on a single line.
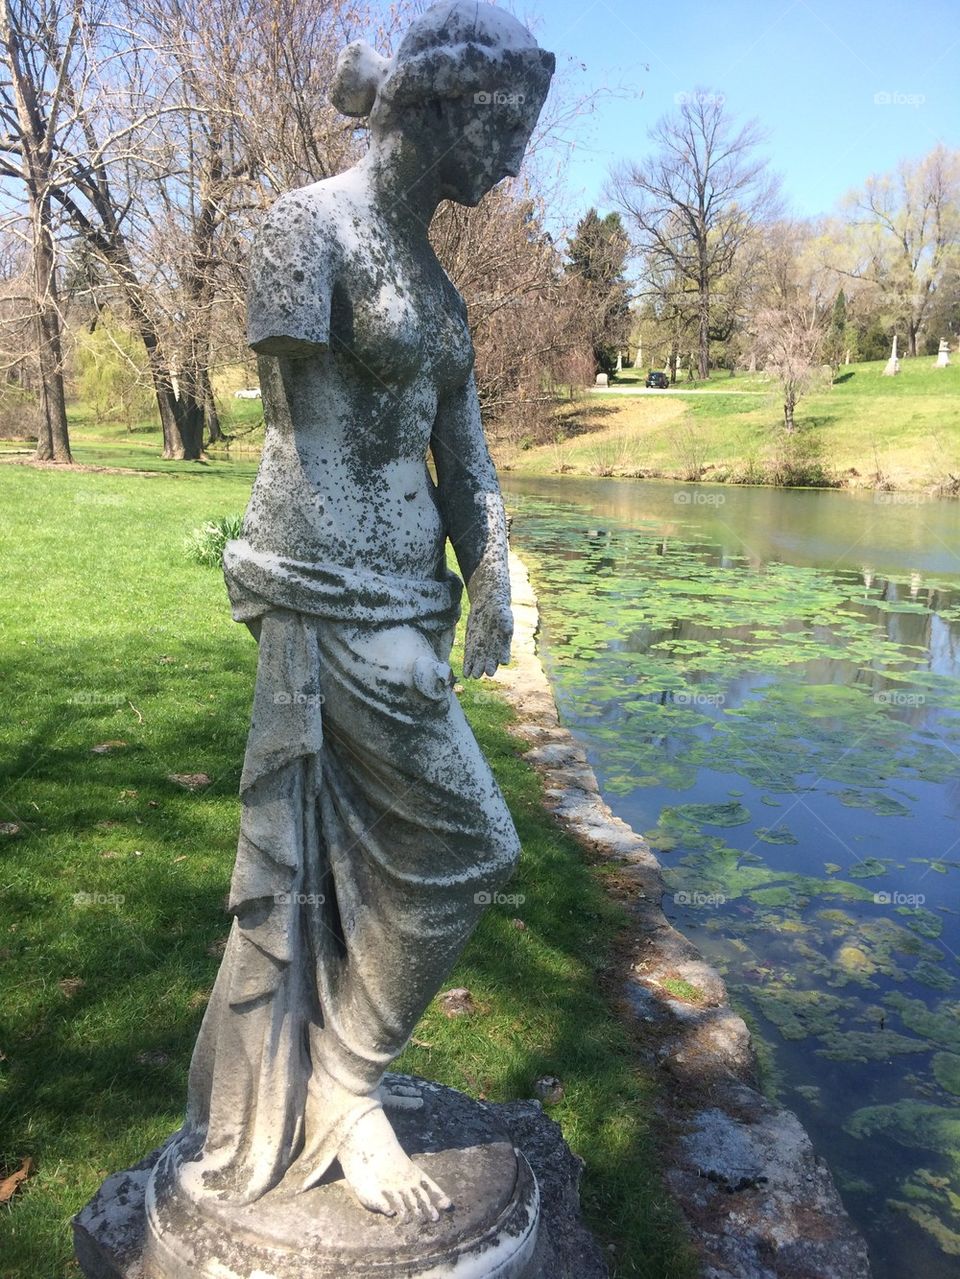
[[598, 252]]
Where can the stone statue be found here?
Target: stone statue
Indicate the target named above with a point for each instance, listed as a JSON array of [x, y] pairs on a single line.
[[372, 831], [892, 366], [943, 355]]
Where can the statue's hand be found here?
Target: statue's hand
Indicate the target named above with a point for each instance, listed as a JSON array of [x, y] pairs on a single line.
[[489, 631]]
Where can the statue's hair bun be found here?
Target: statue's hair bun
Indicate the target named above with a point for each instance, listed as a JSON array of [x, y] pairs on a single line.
[[359, 74]]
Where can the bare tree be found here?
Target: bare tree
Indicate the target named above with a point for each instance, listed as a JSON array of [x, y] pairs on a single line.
[[519, 304], [696, 200], [42, 48], [793, 336], [904, 235]]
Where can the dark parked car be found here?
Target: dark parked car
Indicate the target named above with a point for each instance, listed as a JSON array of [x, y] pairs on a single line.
[[658, 380]]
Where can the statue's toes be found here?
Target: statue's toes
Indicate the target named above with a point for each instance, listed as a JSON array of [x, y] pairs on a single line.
[[401, 1097], [425, 1205], [435, 1194], [380, 1201]]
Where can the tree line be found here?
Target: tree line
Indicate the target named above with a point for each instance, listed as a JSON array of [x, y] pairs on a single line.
[[719, 275], [140, 147], [141, 144]]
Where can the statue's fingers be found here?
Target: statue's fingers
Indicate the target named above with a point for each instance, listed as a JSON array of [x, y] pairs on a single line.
[[491, 666]]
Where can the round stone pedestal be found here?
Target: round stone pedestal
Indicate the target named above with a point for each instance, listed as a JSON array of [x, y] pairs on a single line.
[[324, 1233]]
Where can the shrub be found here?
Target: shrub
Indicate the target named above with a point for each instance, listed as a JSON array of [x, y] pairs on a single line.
[[205, 544], [19, 415], [798, 462]]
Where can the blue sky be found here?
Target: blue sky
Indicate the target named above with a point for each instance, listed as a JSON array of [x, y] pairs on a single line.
[[809, 70]]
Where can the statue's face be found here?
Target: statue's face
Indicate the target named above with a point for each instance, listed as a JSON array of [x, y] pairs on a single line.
[[482, 141], [472, 143]]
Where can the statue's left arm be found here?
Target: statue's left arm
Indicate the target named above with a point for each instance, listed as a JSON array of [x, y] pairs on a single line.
[[476, 525]]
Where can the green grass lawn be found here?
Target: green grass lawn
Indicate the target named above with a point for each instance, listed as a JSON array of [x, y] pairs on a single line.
[[905, 428], [113, 877], [112, 444]]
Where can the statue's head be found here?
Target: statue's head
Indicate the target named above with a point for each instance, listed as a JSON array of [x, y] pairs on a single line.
[[466, 86]]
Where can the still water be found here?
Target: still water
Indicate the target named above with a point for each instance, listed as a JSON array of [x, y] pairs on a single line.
[[766, 683]]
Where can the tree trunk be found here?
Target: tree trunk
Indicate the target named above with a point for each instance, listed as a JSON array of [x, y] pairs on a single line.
[[211, 418], [181, 418], [789, 405], [912, 330], [53, 443], [703, 332]]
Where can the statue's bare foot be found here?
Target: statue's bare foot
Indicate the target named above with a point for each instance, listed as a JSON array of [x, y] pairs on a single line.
[[382, 1176]]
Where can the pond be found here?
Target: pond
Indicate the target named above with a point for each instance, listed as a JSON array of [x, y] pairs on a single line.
[[766, 683]]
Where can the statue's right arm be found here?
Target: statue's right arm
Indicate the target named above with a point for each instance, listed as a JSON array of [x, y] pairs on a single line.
[[290, 286]]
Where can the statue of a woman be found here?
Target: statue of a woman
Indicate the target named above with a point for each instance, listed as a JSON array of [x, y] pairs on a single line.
[[372, 830]]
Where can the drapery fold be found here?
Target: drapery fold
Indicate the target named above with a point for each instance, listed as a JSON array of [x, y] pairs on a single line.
[[371, 834]]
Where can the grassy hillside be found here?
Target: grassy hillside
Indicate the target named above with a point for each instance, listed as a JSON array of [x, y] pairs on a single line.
[[865, 430]]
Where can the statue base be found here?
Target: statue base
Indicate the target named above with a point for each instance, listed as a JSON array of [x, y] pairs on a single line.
[[140, 1225]]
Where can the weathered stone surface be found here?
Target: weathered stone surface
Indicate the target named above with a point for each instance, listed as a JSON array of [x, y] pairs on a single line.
[[109, 1232], [566, 1249], [758, 1201], [763, 1202]]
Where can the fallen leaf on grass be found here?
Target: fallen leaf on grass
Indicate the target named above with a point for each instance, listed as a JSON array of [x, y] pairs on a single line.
[[70, 985], [110, 853], [457, 1002], [181, 858], [104, 748], [9, 1185], [189, 781], [548, 1089], [9, 828], [153, 1057]]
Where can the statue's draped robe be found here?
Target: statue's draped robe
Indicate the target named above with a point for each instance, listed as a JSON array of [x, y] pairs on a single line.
[[372, 832]]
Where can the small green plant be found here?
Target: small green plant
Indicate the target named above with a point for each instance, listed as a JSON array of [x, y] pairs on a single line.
[[680, 988], [205, 544]]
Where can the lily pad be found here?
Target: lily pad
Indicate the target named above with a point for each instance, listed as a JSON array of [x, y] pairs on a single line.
[[946, 1071], [776, 835]]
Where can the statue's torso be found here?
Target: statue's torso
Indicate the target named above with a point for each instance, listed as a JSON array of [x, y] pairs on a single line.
[[343, 476]]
